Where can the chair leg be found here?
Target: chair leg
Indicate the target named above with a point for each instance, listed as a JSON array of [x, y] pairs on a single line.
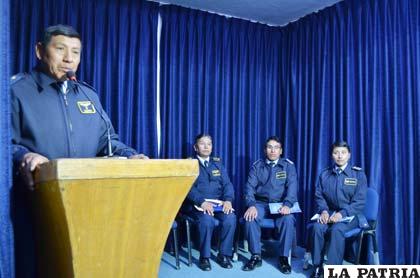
[[175, 238], [359, 248], [235, 244], [187, 225], [294, 246], [375, 249]]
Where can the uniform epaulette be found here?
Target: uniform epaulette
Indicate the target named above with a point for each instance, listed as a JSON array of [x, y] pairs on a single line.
[[356, 168], [255, 162], [217, 159], [288, 160], [88, 85], [15, 78], [326, 169]]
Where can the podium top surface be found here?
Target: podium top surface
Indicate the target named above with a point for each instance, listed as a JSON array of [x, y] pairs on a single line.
[[113, 168]]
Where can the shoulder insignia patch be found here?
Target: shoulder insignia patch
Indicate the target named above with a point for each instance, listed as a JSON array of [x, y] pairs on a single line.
[[288, 160], [217, 159], [15, 78], [356, 168]]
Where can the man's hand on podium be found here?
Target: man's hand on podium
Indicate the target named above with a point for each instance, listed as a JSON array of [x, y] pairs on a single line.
[[28, 164], [139, 156]]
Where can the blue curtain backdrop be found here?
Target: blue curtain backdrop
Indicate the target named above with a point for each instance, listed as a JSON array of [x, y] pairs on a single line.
[[118, 59], [348, 72], [6, 232], [217, 75], [352, 72]]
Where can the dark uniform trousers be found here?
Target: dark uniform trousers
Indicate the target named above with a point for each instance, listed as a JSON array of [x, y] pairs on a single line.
[[206, 224], [285, 227], [337, 242]]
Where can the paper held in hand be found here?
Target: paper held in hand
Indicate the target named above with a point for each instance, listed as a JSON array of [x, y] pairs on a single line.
[[275, 207], [347, 219], [217, 205]]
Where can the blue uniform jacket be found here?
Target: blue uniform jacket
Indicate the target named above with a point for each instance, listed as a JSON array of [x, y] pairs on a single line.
[[344, 193], [271, 184], [212, 183], [55, 125]]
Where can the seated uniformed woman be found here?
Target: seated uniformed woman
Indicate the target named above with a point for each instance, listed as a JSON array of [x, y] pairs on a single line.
[[340, 193], [212, 183]]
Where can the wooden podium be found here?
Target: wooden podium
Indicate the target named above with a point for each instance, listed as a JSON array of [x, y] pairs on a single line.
[[107, 217]]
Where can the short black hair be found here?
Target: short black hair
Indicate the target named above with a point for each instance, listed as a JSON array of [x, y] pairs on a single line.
[[341, 144], [201, 135], [57, 30], [272, 138]]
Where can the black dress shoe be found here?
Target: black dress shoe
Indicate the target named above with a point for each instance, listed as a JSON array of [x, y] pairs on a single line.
[[204, 264], [284, 265], [223, 261], [318, 272], [254, 262]]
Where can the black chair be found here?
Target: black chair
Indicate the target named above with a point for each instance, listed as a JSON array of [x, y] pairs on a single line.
[[188, 222], [268, 224], [174, 230]]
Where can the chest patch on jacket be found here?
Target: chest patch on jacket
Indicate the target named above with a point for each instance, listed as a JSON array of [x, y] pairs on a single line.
[[350, 181], [86, 107], [215, 173], [281, 175]]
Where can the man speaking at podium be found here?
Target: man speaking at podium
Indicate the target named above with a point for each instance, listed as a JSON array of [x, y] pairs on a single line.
[[55, 116]]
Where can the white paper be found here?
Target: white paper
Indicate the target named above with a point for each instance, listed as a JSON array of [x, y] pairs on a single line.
[[275, 207], [217, 205], [346, 219]]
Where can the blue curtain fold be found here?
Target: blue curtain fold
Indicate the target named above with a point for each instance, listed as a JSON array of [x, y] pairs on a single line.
[[216, 76], [352, 71], [6, 231], [118, 58], [348, 72]]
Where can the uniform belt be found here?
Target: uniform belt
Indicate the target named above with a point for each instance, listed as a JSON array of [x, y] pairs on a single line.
[[262, 199], [266, 200]]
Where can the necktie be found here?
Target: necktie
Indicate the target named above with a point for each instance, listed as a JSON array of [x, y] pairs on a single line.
[[338, 171], [206, 163], [63, 87], [271, 164]]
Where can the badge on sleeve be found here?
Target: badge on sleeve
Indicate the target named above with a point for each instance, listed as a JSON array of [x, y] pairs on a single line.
[[215, 173], [86, 107], [281, 175], [350, 181]]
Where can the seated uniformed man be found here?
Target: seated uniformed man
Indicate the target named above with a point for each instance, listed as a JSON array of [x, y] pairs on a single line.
[[272, 179], [212, 183], [53, 117], [340, 192]]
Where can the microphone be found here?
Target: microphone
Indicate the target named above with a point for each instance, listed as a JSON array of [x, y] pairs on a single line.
[[72, 77]]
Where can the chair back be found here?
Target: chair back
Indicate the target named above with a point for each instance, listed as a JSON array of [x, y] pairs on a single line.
[[372, 205]]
